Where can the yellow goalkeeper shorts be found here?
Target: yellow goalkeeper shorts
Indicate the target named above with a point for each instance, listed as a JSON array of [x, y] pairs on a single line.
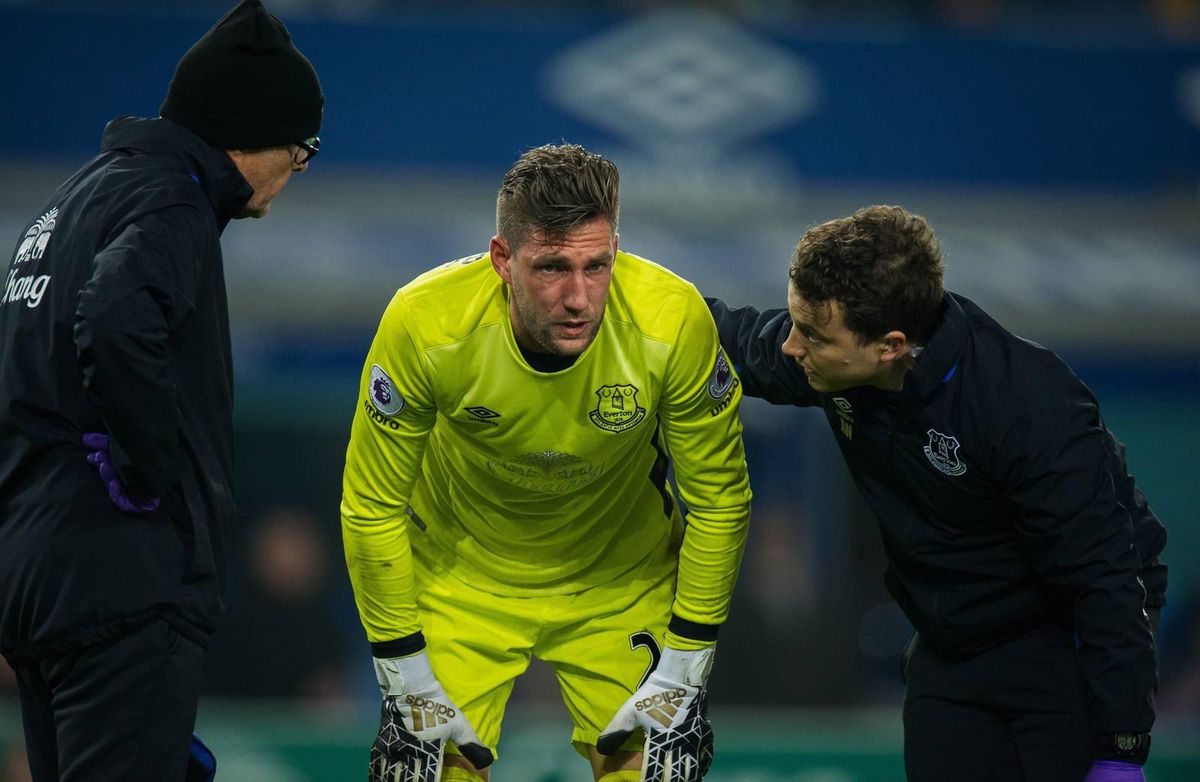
[[602, 642]]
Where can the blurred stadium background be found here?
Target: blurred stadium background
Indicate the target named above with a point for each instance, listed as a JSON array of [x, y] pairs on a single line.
[[1055, 147]]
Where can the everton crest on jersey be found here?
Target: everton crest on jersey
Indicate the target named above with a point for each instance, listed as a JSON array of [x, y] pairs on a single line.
[[942, 452], [617, 408]]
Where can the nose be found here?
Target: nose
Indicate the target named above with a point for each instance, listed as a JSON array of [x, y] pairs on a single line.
[[575, 296], [793, 346]]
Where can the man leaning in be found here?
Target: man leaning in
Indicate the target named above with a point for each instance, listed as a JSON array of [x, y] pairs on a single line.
[[506, 491], [116, 397], [1017, 542]]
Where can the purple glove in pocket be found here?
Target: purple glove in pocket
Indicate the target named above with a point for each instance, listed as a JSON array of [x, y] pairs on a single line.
[[97, 443], [1115, 771]]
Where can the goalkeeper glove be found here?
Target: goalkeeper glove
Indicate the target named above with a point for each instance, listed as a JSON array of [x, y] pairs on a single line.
[[416, 720], [672, 707], [202, 764], [97, 443], [1115, 771]]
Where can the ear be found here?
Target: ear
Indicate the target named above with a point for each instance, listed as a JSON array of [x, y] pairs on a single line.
[[616, 244], [894, 346], [499, 251]]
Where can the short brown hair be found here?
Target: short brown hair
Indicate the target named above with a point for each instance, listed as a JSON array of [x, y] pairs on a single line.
[[882, 265], [554, 188]]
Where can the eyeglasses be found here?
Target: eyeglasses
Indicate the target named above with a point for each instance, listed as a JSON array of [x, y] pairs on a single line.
[[308, 149]]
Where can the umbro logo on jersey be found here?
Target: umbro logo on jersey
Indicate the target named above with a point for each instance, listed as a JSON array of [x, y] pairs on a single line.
[[482, 415], [663, 706], [378, 417], [845, 411]]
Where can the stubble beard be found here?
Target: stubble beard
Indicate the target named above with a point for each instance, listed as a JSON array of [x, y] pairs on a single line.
[[541, 333], [546, 342]]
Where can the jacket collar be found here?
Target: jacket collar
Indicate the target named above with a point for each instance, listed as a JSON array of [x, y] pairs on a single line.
[[943, 352], [224, 186]]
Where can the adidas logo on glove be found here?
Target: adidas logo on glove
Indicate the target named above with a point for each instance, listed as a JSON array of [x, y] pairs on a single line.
[[662, 707], [427, 713]]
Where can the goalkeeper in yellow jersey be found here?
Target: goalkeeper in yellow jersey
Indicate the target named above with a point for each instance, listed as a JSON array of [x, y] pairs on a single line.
[[506, 493]]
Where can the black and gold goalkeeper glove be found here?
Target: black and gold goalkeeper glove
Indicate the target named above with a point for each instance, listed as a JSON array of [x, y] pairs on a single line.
[[672, 707], [416, 721]]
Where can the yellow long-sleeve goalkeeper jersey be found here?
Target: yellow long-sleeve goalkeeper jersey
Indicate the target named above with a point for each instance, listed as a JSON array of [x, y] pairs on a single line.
[[523, 482]]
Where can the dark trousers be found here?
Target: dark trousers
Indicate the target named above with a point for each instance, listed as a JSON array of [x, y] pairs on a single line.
[[1015, 713], [121, 710]]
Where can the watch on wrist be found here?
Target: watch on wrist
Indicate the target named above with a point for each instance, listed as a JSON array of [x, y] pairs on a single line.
[[1125, 746]]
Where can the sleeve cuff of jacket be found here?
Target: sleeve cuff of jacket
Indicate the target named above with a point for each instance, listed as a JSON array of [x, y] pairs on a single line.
[[398, 647], [1103, 749]]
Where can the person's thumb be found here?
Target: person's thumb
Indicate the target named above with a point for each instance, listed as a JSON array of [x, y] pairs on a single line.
[[618, 730], [468, 743]]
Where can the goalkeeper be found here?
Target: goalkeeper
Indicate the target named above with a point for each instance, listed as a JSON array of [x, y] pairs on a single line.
[[506, 496]]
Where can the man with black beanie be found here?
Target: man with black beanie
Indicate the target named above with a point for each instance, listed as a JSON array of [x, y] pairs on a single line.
[[116, 397]]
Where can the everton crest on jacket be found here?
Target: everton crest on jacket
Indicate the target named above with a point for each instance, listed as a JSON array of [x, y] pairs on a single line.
[[113, 320], [1004, 502]]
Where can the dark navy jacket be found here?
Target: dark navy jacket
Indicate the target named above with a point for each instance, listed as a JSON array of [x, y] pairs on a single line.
[[1004, 503], [113, 319]]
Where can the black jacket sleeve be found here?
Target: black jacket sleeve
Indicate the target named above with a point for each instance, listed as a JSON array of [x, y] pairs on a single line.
[[752, 340], [1149, 534], [1079, 536], [143, 286]]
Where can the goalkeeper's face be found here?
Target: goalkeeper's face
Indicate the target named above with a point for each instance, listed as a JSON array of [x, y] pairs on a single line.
[[559, 290]]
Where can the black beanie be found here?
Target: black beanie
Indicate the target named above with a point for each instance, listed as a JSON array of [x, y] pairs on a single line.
[[244, 85]]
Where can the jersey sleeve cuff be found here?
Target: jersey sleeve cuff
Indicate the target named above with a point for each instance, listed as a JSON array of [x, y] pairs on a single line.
[[690, 635], [399, 647]]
